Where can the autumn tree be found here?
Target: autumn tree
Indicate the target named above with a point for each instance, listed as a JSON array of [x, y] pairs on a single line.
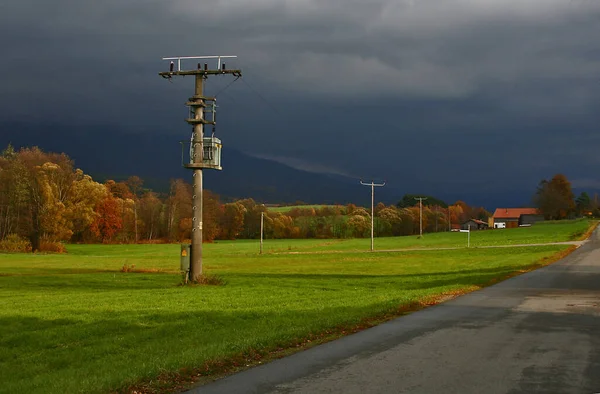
[[178, 207], [84, 197], [409, 200], [407, 221], [45, 196], [135, 185], [389, 219], [108, 218], [359, 225], [437, 218], [583, 204], [211, 212], [232, 220], [150, 209], [283, 226], [14, 193], [251, 218], [127, 209], [554, 198], [456, 215]]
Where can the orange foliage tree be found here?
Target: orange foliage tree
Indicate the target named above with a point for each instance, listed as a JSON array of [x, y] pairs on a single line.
[[108, 219]]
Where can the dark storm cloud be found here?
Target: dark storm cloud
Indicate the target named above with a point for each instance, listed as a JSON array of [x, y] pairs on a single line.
[[414, 91]]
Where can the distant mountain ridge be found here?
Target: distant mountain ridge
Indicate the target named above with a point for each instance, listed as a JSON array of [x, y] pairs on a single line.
[[106, 154]]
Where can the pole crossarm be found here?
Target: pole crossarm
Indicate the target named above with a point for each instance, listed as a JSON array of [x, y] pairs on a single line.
[[168, 74], [372, 184], [202, 71], [180, 58]]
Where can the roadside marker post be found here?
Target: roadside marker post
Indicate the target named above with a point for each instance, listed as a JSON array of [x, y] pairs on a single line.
[[468, 231]]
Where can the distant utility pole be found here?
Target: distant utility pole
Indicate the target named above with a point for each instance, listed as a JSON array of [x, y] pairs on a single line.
[[205, 152], [262, 226], [372, 184], [421, 214]]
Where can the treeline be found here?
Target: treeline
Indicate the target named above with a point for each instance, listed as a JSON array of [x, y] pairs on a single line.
[[45, 200], [555, 200]]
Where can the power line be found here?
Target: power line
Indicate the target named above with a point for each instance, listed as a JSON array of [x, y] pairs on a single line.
[[261, 96], [226, 86]]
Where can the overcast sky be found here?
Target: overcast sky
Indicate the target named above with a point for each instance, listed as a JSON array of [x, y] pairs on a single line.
[[428, 94]]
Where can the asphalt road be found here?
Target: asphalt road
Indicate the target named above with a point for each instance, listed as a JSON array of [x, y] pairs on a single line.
[[535, 333]]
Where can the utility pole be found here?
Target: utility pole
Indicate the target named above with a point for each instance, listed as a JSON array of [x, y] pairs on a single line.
[[421, 214], [372, 184], [262, 226], [205, 152]]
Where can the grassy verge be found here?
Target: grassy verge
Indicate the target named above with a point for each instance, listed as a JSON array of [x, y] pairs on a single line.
[[546, 232]]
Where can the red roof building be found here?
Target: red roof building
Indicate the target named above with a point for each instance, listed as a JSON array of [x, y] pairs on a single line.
[[514, 213], [514, 217]]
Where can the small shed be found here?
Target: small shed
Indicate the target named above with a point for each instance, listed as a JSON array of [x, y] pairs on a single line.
[[529, 219], [474, 224]]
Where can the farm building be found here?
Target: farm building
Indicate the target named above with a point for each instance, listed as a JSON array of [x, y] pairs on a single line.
[[515, 217], [474, 224]]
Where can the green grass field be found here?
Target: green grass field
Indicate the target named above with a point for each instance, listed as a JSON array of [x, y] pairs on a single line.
[[289, 208], [540, 233], [75, 323]]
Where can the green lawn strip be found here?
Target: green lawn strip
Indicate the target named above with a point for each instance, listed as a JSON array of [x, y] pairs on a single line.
[[289, 208], [543, 232], [74, 323]]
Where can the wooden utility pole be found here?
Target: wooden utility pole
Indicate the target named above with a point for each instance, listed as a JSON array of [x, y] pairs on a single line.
[[198, 161], [262, 227], [372, 184], [421, 214]]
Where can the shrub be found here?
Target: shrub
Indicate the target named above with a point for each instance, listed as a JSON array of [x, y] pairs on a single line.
[[128, 268], [15, 244], [52, 246]]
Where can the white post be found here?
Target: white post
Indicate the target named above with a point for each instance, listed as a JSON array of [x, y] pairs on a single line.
[[262, 216], [469, 236]]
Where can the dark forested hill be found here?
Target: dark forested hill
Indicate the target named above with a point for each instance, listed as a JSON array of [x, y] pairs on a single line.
[[107, 154]]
